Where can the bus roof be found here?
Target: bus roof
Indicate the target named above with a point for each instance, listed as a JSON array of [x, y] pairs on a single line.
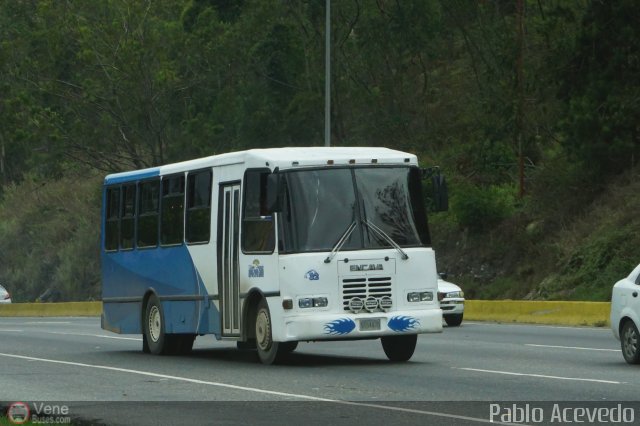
[[283, 158]]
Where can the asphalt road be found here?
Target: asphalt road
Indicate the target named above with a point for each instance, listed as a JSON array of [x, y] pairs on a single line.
[[453, 377]]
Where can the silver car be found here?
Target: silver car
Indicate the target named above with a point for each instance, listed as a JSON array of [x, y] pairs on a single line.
[[5, 297]]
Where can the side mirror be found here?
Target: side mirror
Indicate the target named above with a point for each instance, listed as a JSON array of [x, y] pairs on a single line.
[[443, 275], [440, 193], [274, 192]]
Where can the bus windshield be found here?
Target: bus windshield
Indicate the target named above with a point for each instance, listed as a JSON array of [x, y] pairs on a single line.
[[321, 205]]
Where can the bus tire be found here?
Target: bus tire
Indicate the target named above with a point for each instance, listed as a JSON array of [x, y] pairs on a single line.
[[249, 345], [154, 334], [269, 352], [453, 320], [145, 344], [399, 348]]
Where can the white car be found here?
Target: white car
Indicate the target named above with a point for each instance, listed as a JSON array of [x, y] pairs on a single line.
[[5, 297], [625, 315], [451, 299]]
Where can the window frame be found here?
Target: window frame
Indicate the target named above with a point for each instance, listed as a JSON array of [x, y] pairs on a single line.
[[110, 219], [132, 217], [140, 215], [256, 219], [188, 209], [162, 207]]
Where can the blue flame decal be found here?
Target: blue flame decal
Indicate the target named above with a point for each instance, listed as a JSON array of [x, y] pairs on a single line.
[[339, 327], [402, 323]]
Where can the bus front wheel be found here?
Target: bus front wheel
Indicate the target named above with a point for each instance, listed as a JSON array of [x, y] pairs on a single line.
[[269, 351], [399, 348]]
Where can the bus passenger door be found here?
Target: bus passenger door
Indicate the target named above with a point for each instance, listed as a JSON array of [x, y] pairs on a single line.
[[228, 246]]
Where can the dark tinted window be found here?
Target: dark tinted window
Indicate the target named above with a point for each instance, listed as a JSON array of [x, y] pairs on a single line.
[[381, 203], [199, 207], [319, 207], [386, 202], [127, 216], [112, 216], [172, 210], [148, 204], [257, 226]]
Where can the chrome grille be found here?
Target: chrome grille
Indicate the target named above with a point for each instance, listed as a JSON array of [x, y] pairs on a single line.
[[364, 287]]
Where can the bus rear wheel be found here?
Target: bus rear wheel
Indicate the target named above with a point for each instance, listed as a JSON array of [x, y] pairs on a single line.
[[269, 352], [399, 348], [155, 338]]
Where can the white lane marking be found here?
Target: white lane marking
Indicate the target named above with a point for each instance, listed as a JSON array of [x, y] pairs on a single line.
[[92, 335], [255, 390], [43, 322], [9, 330], [543, 376], [571, 347]]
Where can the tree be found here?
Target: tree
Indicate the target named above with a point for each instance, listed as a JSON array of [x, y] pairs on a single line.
[[601, 90]]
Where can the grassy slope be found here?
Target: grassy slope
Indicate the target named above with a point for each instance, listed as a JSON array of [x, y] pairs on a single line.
[[552, 255]]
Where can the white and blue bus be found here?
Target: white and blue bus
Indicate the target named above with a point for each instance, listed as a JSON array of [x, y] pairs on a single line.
[[269, 247]]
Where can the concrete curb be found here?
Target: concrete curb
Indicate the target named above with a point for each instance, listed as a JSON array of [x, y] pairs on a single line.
[[65, 309], [518, 311], [539, 312]]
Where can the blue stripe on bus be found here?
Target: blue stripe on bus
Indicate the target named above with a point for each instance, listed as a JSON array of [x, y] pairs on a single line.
[[168, 272], [132, 176]]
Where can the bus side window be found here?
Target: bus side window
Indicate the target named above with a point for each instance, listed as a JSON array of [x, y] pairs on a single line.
[[198, 207], [172, 210], [127, 216], [257, 224], [148, 203], [112, 216]]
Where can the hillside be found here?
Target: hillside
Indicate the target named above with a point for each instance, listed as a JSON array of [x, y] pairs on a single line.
[[550, 252], [529, 107]]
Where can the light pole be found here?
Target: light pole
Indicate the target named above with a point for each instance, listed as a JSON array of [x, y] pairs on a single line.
[[327, 75]]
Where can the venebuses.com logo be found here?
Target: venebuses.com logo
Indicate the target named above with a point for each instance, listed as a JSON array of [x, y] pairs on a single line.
[[18, 413]]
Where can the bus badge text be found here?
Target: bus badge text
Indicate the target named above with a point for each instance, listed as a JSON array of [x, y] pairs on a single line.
[[370, 267]]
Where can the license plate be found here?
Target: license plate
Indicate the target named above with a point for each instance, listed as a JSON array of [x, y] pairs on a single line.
[[370, 324]]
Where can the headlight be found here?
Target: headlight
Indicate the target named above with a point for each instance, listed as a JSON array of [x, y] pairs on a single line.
[[453, 294], [320, 302], [315, 302], [420, 296]]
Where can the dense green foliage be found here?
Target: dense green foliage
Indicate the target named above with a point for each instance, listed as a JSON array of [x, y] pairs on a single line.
[[482, 88]]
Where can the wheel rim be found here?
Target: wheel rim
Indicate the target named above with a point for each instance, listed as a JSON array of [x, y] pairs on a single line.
[[630, 340], [263, 330], [155, 323]]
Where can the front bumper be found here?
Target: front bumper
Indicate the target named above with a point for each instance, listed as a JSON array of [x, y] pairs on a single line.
[[452, 306], [361, 326]]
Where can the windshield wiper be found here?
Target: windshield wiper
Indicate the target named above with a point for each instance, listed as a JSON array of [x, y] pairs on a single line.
[[341, 242], [379, 232]]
